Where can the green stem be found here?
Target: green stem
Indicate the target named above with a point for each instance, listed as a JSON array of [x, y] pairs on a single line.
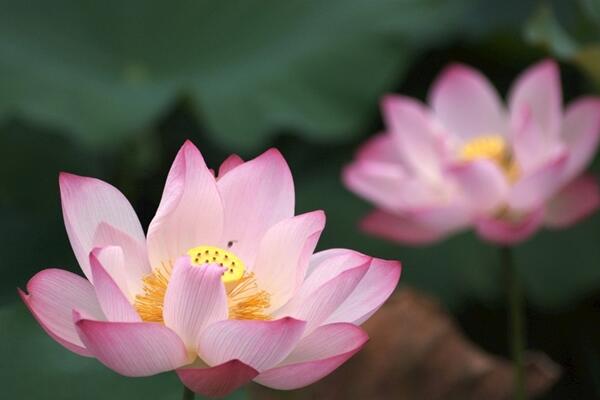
[[516, 320], [187, 394]]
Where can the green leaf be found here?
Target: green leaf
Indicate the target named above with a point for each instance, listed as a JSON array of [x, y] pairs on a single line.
[[101, 71]]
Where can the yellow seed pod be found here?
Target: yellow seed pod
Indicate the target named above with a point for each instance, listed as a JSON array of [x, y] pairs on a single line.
[[232, 265]]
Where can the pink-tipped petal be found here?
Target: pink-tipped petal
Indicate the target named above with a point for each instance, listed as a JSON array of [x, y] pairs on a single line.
[[89, 202], [114, 303], [539, 89], [256, 195], [133, 348], [190, 211], [315, 306], [113, 262], [380, 148], [581, 132], [400, 229], [259, 344], [284, 254], [532, 190], [53, 294], [573, 203], [373, 290], [195, 298], [230, 163], [466, 103], [482, 183], [509, 232], [315, 357], [217, 381], [409, 123]]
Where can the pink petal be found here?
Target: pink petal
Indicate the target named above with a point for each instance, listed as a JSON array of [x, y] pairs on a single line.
[[195, 298], [284, 254], [217, 381], [112, 260], [398, 228], [115, 305], [506, 232], [259, 344], [133, 348], [380, 148], [573, 203], [256, 195], [190, 213], [88, 202], [466, 103], [373, 290], [581, 132], [53, 294], [135, 265], [411, 127], [315, 306], [328, 264], [532, 190], [230, 163], [539, 89], [315, 357], [482, 183]]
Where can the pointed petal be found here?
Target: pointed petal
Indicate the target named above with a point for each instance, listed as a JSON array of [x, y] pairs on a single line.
[[466, 103], [230, 163], [532, 190], [380, 148], [576, 201], [88, 202], [114, 304], [194, 299], [133, 348], [256, 195], [508, 232], [112, 260], [539, 89], [581, 132], [259, 344], [190, 211], [315, 357], [53, 294], [217, 381], [284, 254]]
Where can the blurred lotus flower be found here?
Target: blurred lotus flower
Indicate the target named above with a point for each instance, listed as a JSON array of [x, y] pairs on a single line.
[[469, 161], [224, 289]]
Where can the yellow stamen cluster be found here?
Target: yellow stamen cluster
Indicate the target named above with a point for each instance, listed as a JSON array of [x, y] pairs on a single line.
[[491, 147], [244, 298]]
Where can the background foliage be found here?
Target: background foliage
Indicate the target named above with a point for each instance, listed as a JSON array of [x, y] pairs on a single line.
[[112, 89]]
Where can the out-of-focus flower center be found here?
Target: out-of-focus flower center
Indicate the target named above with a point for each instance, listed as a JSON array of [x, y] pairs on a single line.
[[244, 298], [491, 147]]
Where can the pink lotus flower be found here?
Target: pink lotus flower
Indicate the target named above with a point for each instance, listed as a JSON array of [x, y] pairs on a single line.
[[224, 288], [469, 161]]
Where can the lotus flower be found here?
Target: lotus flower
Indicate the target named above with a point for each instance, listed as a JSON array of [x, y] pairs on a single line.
[[224, 288], [468, 161]]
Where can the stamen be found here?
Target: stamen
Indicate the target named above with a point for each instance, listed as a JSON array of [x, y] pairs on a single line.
[[492, 147]]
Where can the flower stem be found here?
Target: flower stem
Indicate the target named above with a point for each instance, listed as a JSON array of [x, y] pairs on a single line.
[[516, 319], [187, 394]]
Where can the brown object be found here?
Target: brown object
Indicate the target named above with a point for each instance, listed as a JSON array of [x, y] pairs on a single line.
[[417, 352]]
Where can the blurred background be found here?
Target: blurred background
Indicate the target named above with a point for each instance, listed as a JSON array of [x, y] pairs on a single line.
[[112, 89]]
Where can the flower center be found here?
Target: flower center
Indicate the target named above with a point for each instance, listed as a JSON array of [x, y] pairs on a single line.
[[244, 298], [492, 147]]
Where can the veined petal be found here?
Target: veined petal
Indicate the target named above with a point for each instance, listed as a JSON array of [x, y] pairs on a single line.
[[113, 302], [466, 103], [194, 299], [133, 348], [112, 260], [573, 203], [581, 132], [89, 202], [284, 254], [256, 195], [230, 163], [53, 295], [217, 381], [315, 357], [539, 89], [190, 211], [508, 232], [259, 344]]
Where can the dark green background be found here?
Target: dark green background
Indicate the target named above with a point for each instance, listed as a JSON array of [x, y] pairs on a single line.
[[112, 89]]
